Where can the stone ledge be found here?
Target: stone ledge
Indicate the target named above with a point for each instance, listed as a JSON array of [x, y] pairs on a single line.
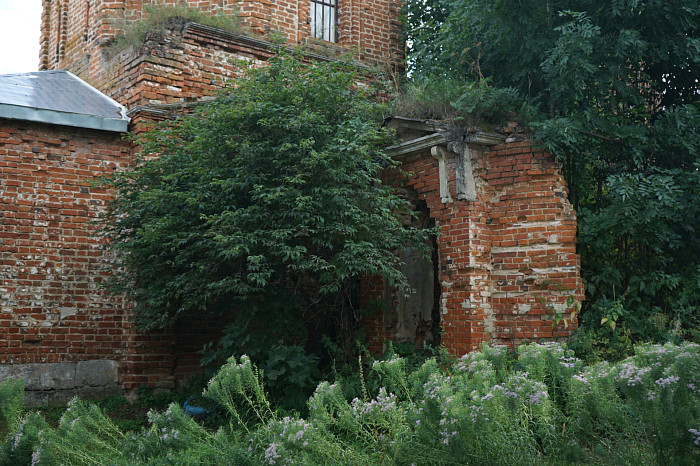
[[56, 383]]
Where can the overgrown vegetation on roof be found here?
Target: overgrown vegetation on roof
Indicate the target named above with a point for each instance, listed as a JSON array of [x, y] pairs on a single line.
[[470, 102], [134, 33]]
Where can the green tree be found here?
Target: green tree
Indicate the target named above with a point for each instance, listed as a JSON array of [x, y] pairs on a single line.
[[611, 87], [264, 206]]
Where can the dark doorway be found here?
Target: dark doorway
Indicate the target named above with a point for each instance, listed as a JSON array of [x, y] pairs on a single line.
[[416, 318]]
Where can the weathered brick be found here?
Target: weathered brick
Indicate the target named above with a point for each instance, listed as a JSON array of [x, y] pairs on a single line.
[[492, 296], [487, 251]]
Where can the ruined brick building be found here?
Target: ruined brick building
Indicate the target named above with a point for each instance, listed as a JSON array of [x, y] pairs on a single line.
[[504, 262]]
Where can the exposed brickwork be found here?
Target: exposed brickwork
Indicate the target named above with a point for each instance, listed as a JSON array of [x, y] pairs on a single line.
[[533, 250], [52, 263], [148, 359], [191, 334], [373, 298], [75, 32], [180, 66], [507, 261], [52, 306]]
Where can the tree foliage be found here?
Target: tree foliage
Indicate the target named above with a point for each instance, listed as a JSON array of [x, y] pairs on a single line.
[[264, 206], [611, 87]]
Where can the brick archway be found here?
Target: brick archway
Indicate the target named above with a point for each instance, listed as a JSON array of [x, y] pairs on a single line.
[[506, 250]]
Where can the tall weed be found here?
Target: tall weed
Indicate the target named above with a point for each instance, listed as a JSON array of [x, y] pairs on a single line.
[[541, 406]]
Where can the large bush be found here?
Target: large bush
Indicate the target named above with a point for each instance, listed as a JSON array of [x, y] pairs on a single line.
[[265, 207]]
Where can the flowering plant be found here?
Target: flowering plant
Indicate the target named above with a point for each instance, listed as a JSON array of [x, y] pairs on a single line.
[[487, 408]]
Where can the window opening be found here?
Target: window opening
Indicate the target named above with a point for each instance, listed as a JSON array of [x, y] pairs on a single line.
[[323, 19], [60, 30], [87, 20]]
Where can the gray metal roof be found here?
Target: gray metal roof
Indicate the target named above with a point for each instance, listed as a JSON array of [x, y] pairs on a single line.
[[60, 98]]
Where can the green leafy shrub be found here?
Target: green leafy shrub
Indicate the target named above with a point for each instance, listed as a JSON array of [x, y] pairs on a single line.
[[546, 407], [264, 208], [171, 436]]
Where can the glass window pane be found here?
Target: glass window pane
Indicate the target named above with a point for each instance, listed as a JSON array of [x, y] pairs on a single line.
[[323, 19]]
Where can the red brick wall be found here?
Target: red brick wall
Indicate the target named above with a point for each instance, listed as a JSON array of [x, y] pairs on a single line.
[[507, 261], [74, 32], [52, 262], [149, 358], [53, 309], [178, 69], [191, 334], [535, 265], [373, 299]]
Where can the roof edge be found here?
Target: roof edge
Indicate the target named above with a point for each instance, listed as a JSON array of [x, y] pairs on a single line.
[[16, 112], [122, 109]]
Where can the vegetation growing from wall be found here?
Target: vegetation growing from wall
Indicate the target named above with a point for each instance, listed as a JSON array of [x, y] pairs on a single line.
[[265, 207], [546, 407], [611, 88], [134, 33]]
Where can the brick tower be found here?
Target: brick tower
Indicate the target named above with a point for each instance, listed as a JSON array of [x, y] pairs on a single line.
[[76, 33]]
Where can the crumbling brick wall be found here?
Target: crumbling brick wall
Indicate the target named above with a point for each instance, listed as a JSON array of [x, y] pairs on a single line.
[[52, 307], [75, 34], [181, 66], [507, 261], [533, 244]]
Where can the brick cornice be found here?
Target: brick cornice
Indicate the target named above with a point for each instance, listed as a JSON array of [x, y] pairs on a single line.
[[263, 45]]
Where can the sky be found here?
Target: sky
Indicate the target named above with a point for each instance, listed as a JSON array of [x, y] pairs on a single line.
[[20, 24]]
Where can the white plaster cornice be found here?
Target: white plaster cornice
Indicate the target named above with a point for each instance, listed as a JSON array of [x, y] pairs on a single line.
[[415, 146], [426, 143]]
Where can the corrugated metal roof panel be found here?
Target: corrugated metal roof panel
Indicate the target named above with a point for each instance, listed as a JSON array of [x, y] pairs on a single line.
[[59, 97]]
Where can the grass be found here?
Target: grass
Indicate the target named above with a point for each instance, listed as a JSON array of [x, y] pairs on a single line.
[[129, 416], [134, 33]]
